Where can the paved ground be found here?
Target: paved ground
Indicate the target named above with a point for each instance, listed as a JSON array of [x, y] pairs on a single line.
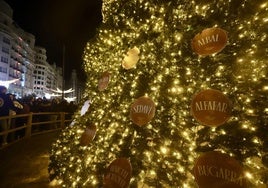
[[24, 164]]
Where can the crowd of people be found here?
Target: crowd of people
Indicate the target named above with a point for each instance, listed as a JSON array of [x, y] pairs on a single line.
[[10, 106]]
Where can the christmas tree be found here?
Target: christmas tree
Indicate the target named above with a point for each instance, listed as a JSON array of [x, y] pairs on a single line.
[[169, 82]]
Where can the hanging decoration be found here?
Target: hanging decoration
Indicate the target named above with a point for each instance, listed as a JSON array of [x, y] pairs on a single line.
[[131, 59], [118, 174], [218, 170], [142, 110], [209, 41], [88, 135], [104, 81], [6, 83], [61, 91], [211, 107], [85, 107]]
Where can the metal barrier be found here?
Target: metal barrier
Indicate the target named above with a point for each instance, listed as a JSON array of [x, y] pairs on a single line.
[[31, 124]]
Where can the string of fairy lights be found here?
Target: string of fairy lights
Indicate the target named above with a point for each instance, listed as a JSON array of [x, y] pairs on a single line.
[[170, 74]]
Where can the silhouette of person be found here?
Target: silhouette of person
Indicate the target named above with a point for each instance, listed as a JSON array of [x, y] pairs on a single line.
[[6, 104]]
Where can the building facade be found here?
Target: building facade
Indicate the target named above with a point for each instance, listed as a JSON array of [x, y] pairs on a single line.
[[47, 77], [23, 66]]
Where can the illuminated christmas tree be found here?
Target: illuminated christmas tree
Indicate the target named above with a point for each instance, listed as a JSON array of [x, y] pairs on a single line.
[[168, 82]]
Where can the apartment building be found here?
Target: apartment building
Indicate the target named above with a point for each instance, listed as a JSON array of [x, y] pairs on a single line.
[[24, 68], [47, 77]]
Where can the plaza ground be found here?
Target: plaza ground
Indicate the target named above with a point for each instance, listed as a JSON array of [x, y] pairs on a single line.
[[24, 164]]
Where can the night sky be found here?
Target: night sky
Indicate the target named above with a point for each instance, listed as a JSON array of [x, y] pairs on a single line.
[[58, 23]]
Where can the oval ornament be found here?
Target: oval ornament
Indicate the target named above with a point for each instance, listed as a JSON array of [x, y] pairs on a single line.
[[131, 59], [118, 174], [209, 41], [142, 111], [211, 107], [88, 135], [85, 107], [218, 170], [104, 81]]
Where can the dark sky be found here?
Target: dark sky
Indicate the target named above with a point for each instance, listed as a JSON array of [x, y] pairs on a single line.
[[58, 23]]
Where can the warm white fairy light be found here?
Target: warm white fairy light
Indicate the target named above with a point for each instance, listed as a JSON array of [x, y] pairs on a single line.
[[175, 75], [249, 175]]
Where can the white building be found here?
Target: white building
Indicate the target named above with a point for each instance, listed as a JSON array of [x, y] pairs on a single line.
[[24, 65], [21, 62], [47, 77], [16, 53]]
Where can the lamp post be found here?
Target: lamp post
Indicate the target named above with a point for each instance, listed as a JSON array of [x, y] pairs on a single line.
[[63, 81]]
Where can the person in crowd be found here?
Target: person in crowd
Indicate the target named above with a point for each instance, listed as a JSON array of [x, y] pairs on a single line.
[[44, 107], [6, 105], [30, 102], [22, 121], [12, 112], [54, 107], [35, 107], [72, 107]]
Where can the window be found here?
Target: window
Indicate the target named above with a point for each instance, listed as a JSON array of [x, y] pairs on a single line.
[[5, 49], [6, 40], [3, 69], [4, 59]]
